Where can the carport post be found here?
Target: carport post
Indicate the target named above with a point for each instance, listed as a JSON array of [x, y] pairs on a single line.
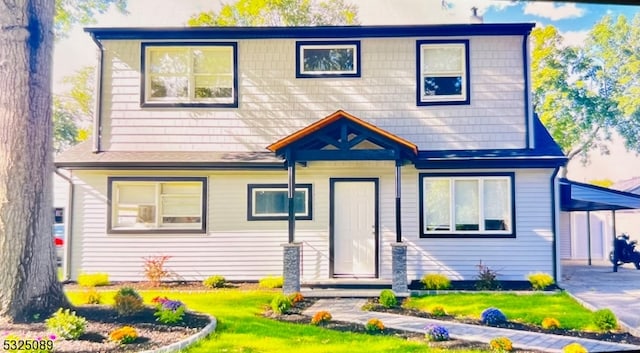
[[589, 237], [613, 249]]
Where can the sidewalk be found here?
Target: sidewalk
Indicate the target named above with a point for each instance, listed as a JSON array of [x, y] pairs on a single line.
[[349, 310]]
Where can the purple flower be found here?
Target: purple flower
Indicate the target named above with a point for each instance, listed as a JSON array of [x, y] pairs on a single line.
[[171, 305], [53, 337]]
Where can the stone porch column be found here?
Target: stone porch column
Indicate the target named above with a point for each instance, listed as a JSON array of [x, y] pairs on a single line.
[[291, 267], [399, 282]]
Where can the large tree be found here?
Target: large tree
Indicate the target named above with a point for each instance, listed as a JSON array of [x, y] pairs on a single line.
[[584, 93], [28, 273], [279, 13]]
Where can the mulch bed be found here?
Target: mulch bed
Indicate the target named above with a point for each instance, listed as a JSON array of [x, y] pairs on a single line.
[[619, 337], [103, 319]]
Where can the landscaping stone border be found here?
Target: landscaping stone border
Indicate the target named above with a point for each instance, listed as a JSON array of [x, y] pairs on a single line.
[[183, 344]]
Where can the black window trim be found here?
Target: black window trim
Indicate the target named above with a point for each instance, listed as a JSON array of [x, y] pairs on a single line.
[[151, 104], [252, 217], [486, 235], [420, 83], [111, 230], [357, 58]]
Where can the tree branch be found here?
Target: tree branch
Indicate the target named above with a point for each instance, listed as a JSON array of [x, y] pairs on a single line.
[[575, 151]]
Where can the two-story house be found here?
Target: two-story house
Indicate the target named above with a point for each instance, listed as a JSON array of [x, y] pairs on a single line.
[[364, 152]]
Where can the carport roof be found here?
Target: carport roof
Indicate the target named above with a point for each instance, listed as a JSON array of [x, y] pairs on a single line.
[[575, 196]]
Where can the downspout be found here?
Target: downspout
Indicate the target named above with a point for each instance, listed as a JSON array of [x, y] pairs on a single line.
[[68, 229], [97, 114], [554, 223]]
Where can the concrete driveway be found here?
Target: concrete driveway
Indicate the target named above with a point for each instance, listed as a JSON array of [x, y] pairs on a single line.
[[598, 287]]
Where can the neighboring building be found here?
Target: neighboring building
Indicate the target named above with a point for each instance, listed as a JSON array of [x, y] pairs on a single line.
[[422, 135]]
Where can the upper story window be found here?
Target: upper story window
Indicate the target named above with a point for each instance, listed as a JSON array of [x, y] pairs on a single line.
[[443, 72], [157, 205], [467, 205], [328, 59], [189, 75]]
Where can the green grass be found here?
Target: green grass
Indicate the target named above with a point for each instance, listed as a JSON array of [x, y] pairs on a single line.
[[242, 329], [525, 308]]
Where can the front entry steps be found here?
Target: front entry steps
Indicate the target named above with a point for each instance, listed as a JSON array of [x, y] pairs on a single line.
[[346, 288]]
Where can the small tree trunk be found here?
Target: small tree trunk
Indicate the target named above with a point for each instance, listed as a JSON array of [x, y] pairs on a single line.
[[28, 272]]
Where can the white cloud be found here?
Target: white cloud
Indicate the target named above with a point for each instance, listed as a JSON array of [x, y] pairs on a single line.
[[574, 38], [551, 11]]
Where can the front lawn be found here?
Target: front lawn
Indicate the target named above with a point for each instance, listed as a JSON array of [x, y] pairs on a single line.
[[524, 308], [241, 328]]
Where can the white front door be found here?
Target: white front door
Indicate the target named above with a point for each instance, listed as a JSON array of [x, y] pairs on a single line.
[[354, 231]]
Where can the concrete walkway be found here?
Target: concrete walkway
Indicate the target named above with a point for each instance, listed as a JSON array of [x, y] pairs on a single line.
[[598, 287], [346, 309]]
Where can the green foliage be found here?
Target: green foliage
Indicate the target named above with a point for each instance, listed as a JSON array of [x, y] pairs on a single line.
[[436, 281], [388, 298], [127, 302], [66, 324], [90, 280], [487, 279], [279, 13], [271, 282], [584, 93], [91, 296], [438, 310], [71, 12], [374, 326], [215, 281], [73, 110], [169, 316], [605, 320], [540, 281], [281, 304]]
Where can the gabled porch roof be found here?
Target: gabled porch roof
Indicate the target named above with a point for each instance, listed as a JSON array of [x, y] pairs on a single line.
[[342, 136]]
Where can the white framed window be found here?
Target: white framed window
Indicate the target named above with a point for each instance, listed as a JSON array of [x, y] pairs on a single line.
[[328, 59], [156, 204], [443, 72], [468, 205], [271, 202], [189, 74]]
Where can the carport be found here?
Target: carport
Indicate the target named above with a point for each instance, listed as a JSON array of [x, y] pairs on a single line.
[[575, 196]]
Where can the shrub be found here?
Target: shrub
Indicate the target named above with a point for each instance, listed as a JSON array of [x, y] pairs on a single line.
[[91, 280], [549, 323], [215, 281], [374, 326], [168, 311], [368, 306], [296, 298], [574, 348], [492, 316], [154, 269], [321, 317], [388, 298], [438, 311], [540, 281], [280, 304], [127, 302], [66, 324], [487, 278], [501, 345], [605, 319], [435, 281], [91, 296], [123, 335], [271, 282], [436, 333]]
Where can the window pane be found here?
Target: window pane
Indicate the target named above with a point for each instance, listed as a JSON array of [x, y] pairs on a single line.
[[168, 61], [214, 87], [442, 60], [169, 87], [497, 213], [437, 205], [442, 86], [181, 205], [276, 202], [213, 61], [329, 59], [467, 211], [135, 205]]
